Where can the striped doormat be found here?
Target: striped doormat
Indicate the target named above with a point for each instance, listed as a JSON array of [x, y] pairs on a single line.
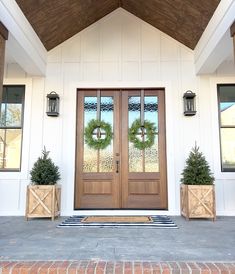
[[119, 221]]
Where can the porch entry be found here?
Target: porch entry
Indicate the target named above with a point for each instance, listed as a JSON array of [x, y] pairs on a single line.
[[121, 176]]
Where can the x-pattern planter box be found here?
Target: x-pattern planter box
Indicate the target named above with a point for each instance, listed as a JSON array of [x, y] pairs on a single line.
[[198, 201], [43, 201]]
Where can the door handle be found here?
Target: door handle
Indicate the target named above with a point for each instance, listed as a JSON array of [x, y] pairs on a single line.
[[117, 166]]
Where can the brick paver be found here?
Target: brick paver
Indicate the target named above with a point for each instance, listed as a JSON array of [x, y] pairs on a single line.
[[108, 267]]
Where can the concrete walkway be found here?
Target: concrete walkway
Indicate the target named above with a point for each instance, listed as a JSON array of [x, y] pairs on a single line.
[[195, 240]]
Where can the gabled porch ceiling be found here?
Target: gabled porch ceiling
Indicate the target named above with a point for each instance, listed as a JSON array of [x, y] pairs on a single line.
[[55, 21]]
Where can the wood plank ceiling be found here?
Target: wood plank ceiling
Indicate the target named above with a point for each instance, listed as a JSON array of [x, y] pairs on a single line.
[[55, 21]]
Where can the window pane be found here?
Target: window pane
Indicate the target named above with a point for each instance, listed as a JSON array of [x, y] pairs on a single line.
[[13, 115], [228, 148], [2, 146], [13, 148], [12, 98], [14, 95], [10, 146], [3, 115], [227, 105]]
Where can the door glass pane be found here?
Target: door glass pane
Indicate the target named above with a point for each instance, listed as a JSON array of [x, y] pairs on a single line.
[[133, 109], [146, 160], [90, 155], [90, 109], [106, 155], [228, 148], [135, 159], [98, 160], [151, 114], [151, 157], [135, 155], [106, 159], [151, 109]]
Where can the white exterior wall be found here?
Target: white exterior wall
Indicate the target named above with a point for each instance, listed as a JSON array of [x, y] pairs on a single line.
[[118, 51]]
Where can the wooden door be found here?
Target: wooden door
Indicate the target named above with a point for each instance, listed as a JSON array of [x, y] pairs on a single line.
[[121, 176], [97, 183], [144, 171]]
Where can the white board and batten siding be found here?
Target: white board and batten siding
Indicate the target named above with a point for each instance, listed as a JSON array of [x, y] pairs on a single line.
[[119, 51]]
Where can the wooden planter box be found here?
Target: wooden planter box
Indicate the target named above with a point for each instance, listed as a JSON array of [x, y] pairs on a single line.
[[43, 201], [198, 201]]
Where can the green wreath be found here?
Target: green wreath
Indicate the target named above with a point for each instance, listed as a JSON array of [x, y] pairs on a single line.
[[150, 134], [98, 143]]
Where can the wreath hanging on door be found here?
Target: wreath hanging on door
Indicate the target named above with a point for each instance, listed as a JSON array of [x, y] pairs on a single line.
[[146, 129], [102, 129]]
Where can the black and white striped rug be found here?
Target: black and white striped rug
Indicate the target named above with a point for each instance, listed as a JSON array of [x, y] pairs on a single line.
[[157, 222]]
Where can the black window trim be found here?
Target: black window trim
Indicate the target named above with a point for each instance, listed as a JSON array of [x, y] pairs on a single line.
[[220, 126], [22, 128]]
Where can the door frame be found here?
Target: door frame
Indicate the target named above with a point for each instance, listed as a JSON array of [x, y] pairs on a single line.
[[165, 191]]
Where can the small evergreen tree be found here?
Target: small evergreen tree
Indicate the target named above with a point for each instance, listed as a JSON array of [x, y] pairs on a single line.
[[44, 171], [197, 170]]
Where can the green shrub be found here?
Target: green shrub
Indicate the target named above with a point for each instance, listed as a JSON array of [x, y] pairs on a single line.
[[44, 171], [197, 170]]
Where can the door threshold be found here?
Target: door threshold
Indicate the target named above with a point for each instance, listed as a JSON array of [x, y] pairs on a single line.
[[120, 212]]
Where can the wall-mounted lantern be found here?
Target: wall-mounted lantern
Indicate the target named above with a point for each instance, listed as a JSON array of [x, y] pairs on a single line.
[[53, 102], [189, 103]]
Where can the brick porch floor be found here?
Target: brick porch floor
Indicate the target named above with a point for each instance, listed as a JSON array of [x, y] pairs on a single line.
[[110, 267]]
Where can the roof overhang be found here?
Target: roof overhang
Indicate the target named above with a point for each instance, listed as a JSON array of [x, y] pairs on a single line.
[[216, 44], [23, 44]]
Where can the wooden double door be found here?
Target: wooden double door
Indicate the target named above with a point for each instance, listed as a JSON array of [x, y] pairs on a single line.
[[121, 176]]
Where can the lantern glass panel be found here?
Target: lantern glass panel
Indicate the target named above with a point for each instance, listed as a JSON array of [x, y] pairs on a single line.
[[53, 105], [189, 104]]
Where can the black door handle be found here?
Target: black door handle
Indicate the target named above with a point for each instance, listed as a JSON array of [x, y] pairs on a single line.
[[117, 166]]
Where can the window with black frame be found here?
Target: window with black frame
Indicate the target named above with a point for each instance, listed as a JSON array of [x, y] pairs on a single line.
[[226, 99], [11, 127]]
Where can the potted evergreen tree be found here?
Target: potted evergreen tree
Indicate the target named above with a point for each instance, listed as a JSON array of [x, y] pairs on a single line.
[[197, 190], [43, 195]]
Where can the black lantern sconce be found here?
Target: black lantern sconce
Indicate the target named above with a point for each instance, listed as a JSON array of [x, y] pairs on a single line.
[[189, 103], [53, 102]]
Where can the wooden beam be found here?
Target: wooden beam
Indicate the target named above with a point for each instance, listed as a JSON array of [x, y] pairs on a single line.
[[3, 38], [2, 62], [232, 31], [3, 31]]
